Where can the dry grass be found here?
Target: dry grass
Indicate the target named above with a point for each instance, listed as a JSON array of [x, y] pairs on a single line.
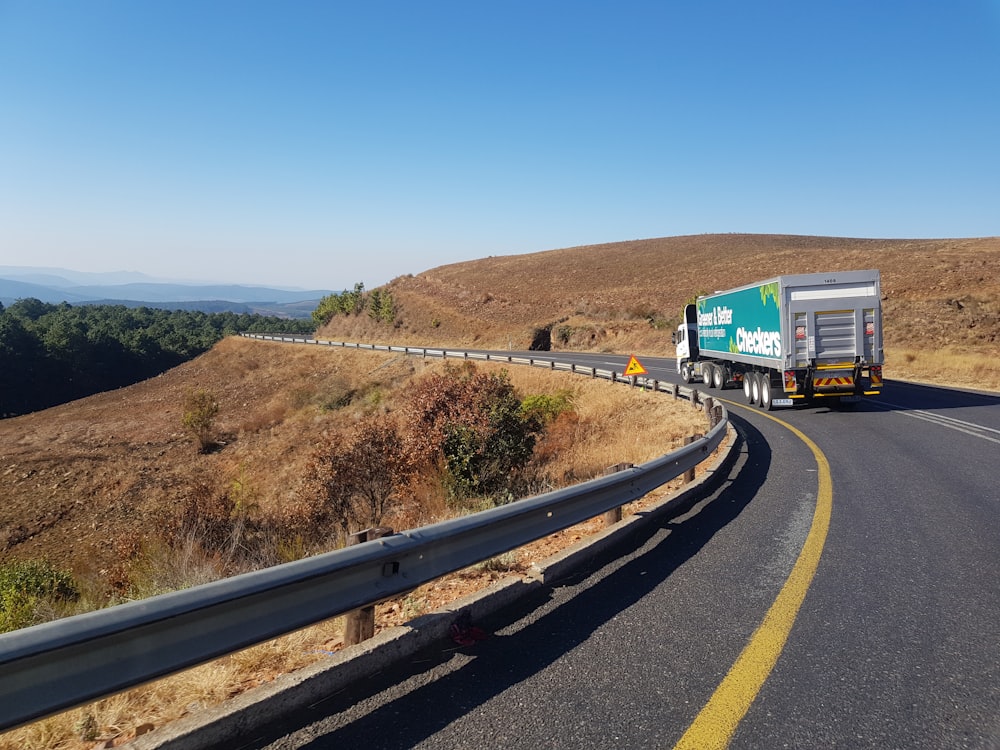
[[612, 424], [946, 366]]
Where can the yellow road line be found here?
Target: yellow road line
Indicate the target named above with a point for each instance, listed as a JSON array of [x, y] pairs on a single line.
[[716, 723]]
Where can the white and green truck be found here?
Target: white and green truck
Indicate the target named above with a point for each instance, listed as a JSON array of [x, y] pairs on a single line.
[[787, 340]]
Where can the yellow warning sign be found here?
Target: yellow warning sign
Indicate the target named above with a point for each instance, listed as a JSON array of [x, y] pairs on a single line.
[[634, 368]]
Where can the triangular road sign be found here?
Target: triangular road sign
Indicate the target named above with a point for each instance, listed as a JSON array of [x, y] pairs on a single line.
[[634, 368]]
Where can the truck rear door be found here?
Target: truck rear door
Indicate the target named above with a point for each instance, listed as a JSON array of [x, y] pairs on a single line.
[[835, 337]]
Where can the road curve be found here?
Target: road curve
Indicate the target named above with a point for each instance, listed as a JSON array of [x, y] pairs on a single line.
[[896, 645]]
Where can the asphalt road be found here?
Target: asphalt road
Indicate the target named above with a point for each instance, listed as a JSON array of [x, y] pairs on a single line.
[[896, 645]]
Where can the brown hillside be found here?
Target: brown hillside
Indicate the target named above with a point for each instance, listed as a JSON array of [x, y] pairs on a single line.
[[74, 477], [939, 295], [79, 479]]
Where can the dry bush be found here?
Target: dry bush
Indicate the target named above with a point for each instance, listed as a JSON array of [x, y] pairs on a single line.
[[355, 474], [200, 410]]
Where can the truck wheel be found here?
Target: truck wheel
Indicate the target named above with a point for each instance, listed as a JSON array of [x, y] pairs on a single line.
[[748, 387], [686, 373], [765, 391], [719, 377], [755, 388], [706, 375]]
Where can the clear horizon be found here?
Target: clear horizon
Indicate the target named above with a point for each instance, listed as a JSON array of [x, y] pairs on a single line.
[[320, 145]]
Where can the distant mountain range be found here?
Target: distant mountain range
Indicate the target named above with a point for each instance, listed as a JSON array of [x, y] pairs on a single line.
[[55, 285]]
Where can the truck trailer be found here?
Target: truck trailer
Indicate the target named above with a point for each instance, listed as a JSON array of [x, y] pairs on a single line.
[[787, 340]]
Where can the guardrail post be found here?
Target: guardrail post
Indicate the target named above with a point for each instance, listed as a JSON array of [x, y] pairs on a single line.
[[675, 390], [359, 625], [593, 372], [709, 404], [689, 474], [694, 398], [613, 516]]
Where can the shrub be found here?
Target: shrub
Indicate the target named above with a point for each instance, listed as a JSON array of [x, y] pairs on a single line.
[[200, 410], [545, 407], [357, 474], [471, 425], [26, 584]]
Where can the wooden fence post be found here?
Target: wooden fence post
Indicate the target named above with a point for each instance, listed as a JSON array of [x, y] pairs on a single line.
[[689, 474], [359, 624], [613, 516]]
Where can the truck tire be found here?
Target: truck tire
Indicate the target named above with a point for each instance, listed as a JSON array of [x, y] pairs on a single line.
[[706, 375], [755, 388], [719, 377], [748, 387], [765, 391], [686, 373]]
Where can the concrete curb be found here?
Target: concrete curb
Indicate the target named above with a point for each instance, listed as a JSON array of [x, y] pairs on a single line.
[[254, 709]]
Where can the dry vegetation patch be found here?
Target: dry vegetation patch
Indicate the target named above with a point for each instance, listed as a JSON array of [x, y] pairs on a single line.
[[105, 465]]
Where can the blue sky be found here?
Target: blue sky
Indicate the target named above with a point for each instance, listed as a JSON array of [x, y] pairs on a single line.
[[318, 144]]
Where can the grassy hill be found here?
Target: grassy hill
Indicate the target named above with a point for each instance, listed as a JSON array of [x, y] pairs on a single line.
[[941, 298]]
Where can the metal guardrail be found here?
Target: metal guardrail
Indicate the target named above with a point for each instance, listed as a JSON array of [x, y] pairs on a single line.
[[462, 354], [65, 663]]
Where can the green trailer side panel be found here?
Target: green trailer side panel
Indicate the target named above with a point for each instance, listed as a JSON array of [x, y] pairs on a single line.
[[746, 321]]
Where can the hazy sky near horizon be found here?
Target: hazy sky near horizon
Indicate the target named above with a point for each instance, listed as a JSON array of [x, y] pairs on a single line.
[[318, 144]]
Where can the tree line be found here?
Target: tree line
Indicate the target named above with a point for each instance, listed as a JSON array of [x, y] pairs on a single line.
[[54, 353], [378, 303]]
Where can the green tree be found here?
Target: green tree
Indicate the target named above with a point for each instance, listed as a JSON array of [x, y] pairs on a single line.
[[381, 306], [328, 307], [53, 353], [346, 303]]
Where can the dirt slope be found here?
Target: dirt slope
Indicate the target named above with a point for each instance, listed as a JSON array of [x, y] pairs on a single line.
[[74, 477]]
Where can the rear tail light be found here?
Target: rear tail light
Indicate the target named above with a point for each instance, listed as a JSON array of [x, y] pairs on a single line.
[[790, 384], [875, 372]]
